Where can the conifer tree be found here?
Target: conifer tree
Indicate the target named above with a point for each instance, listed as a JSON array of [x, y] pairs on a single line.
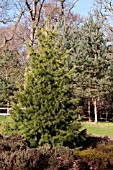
[[92, 65], [10, 74], [46, 107]]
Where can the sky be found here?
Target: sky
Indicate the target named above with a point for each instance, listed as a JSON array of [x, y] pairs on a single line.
[[83, 7]]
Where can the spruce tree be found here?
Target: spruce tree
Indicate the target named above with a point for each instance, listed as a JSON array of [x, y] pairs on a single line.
[[10, 74], [92, 64], [46, 107]]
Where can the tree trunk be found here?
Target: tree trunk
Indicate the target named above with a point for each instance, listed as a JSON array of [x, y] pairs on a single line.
[[61, 8], [95, 110], [106, 115], [89, 112]]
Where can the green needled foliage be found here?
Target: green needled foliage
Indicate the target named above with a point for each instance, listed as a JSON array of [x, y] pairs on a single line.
[[46, 108], [92, 65], [10, 75]]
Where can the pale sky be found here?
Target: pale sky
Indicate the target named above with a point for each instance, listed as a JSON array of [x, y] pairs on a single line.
[[83, 7]]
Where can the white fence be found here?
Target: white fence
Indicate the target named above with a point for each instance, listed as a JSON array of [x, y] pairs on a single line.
[[4, 111]]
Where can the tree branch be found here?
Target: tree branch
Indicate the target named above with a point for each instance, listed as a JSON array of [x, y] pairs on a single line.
[[72, 7], [29, 8], [15, 26], [39, 13]]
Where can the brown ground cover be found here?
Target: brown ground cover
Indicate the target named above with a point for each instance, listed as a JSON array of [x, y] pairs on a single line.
[[15, 154]]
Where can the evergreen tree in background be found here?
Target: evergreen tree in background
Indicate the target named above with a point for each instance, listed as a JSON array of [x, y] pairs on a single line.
[[65, 38], [11, 73], [46, 108], [92, 65]]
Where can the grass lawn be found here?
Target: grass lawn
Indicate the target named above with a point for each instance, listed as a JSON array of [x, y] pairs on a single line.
[[100, 128], [3, 119]]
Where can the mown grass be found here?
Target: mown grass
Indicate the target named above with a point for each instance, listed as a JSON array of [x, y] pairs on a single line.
[[100, 128], [3, 120]]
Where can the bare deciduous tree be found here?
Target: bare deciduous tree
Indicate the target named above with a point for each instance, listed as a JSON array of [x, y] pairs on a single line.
[[35, 12], [105, 7]]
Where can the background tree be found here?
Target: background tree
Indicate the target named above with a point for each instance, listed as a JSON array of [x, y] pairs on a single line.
[[11, 73], [105, 8], [92, 64], [33, 13]]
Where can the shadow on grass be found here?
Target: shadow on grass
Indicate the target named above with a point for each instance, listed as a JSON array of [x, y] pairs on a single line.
[[93, 141]]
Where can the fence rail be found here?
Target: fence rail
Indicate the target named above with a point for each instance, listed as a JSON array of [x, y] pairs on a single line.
[[4, 111]]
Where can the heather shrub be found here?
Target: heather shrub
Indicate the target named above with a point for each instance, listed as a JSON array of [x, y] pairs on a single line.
[[15, 154], [100, 157], [64, 152]]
